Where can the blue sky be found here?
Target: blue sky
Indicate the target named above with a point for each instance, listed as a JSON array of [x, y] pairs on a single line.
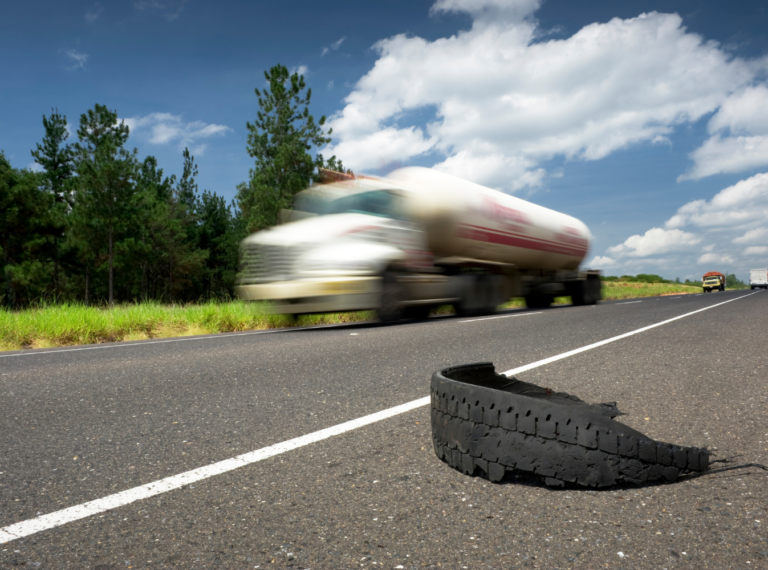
[[647, 120]]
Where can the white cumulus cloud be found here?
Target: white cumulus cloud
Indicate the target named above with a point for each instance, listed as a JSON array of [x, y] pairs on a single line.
[[739, 136], [654, 242], [715, 258], [602, 261], [497, 96], [743, 203], [752, 236], [735, 217], [165, 128]]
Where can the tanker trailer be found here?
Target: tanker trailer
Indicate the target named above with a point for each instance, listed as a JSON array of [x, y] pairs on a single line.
[[415, 239]]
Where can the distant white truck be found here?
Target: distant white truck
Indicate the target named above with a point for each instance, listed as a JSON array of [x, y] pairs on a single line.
[[758, 278]]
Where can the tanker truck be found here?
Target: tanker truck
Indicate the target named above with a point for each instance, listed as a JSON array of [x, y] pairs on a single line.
[[408, 242]]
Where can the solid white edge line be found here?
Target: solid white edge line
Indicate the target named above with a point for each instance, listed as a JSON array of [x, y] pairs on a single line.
[[629, 302], [500, 317], [77, 512], [129, 344], [612, 339]]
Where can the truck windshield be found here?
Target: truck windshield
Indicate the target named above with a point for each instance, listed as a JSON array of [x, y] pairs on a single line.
[[384, 203]]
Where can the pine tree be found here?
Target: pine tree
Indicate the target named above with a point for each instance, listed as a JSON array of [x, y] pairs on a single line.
[[58, 162], [185, 258], [106, 189], [280, 140]]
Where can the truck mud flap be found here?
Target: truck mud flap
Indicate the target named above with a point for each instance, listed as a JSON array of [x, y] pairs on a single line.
[[488, 424]]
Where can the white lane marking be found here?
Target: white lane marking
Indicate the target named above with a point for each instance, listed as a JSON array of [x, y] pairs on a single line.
[[674, 297], [612, 339], [629, 302], [59, 518], [500, 317], [119, 344]]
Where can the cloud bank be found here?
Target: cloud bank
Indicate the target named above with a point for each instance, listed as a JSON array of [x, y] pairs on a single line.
[[501, 100], [727, 230], [739, 136]]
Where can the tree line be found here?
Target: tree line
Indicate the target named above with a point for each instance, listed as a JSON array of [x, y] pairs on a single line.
[[97, 225], [731, 281]]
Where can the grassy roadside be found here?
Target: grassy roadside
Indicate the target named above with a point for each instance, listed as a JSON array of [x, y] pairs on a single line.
[[47, 326]]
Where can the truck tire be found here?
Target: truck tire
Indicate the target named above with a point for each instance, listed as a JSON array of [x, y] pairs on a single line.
[[577, 290], [488, 424], [418, 312], [538, 300], [393, 294], [584, 291], [475, 296]]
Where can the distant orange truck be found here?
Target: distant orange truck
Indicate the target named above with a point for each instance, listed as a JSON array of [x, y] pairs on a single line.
[[713, 281]]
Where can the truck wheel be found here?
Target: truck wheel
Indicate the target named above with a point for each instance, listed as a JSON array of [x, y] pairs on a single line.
[[471, 303], [391, 308], [594, 286], [538, 300], [488, 293], [577, 291], [488, 424], [418, 312]]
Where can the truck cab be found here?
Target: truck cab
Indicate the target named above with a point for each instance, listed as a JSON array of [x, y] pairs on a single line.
[[713, 283], [340, 251]]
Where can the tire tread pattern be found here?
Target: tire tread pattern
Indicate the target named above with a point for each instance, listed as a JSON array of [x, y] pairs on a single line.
[[477, 428]]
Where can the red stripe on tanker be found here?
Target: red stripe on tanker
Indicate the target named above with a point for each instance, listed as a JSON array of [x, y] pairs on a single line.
[[468, 220]]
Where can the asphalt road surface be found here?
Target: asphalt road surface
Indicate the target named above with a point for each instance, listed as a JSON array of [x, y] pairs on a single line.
[[83, 425]]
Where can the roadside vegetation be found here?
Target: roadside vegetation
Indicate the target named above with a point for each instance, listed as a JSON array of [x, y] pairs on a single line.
[[47, 325], [92, 224]]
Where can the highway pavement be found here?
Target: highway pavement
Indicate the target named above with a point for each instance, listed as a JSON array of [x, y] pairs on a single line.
[[83, 425]]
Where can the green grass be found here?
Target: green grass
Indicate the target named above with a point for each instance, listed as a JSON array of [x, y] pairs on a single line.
[[48, 325], [624, 290], [68, 324]]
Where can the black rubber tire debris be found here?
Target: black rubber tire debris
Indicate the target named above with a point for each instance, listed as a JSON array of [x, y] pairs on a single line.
[[488, 424]]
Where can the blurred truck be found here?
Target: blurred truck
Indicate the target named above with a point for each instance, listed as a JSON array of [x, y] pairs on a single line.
[[408, 242], [713, 281], [758, 278]]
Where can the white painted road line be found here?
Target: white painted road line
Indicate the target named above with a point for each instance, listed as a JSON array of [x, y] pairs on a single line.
[[62, 517], [58, 518], [185, 339], [500, 317], [613, 339], [629, 302]]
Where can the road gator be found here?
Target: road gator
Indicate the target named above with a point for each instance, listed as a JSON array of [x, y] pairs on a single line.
[[408, 242]]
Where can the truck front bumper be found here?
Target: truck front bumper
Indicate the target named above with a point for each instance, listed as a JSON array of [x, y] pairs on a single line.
[[316, 295]]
